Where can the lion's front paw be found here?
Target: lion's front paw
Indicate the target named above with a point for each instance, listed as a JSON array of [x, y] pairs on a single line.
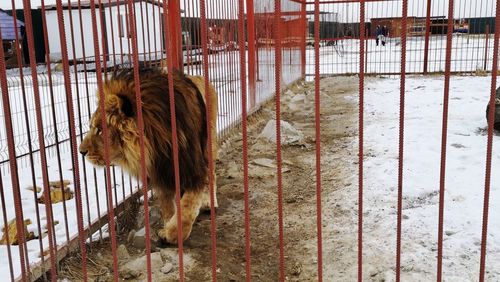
[[169, 233]]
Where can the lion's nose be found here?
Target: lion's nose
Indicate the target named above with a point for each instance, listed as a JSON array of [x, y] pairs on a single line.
[[84, 153]]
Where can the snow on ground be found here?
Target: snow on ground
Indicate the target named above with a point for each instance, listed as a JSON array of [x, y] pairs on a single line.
[[465, 178], [468, 55]]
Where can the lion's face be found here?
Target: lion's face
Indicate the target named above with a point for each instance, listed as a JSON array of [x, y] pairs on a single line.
[[92, 146], [121, 127]]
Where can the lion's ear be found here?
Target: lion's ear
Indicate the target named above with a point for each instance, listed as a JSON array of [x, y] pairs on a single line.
[[126, 106]]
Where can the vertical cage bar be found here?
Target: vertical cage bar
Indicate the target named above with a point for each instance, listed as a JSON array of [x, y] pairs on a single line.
[[175, 33], [317, 118], [302, 42], [244, 114], [30, 146], [489, 149], [175, 146], [251, 50], [442, 182], [140, 128], [73, 143], [13, 165], [486, 48], [105, 133], [277, 66], [361, 136], [41, 136], [404, 31], [213, 226]]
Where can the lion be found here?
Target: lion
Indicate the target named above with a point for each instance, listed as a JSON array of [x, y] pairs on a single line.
[[124, 141]]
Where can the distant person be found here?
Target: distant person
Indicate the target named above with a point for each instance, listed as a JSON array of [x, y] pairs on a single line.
[[385, 33], [378, 34]]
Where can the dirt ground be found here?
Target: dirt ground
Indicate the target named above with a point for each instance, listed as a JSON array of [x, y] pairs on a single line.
[[339, 127]]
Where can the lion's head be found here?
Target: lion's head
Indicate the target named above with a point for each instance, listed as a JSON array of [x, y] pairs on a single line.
[[120, 118]]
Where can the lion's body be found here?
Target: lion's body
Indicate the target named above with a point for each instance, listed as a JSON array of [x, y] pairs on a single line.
[[124, 141]]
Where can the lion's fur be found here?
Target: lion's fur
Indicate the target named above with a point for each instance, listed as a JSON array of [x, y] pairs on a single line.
[[124, 141]]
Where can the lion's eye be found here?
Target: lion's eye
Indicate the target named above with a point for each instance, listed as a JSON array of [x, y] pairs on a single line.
[[98, 131]]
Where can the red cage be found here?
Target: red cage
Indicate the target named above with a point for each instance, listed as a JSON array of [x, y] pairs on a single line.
[[333, 78]]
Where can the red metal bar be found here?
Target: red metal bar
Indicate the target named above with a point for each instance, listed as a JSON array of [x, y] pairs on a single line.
[[361, 137], [143, 33], [74, 149], [13, 166], [303, 14], [104, 41], [317, 115], [244, 114], [128, 27], [491, 119], [41, 139], [251, 51], [442, 183], [87, 91], [111, 28], [486, 48], [6, 225], [30, 147], [80, 125], [213, 226], [175, 34], [154, 31], [105, 133], [367, 32], [57, 142], [175, 146], [140, 125], [404, 30], [277, 57]]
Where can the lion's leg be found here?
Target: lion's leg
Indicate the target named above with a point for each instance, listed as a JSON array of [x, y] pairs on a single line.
[[206, 195], [205, 202], [190, 208], [165, 202]]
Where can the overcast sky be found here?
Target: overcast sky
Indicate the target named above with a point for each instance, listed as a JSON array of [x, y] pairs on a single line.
[[347, 12]]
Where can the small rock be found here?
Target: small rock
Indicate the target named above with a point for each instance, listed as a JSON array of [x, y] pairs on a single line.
[[296, 269], [289, 134], [140, 238], [264, 162], [122, 252], [457, 145], [135, 268], [450, 233], [131, 235], [154, 215], [233, 171], [298, 98], [167, 268]]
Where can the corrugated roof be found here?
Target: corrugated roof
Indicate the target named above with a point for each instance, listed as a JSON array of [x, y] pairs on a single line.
[[7, 26]]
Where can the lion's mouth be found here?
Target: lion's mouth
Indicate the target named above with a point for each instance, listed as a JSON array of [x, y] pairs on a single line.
[[98, 161]]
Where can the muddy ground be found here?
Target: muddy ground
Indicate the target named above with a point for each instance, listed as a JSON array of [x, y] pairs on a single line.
[[339, 127]]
